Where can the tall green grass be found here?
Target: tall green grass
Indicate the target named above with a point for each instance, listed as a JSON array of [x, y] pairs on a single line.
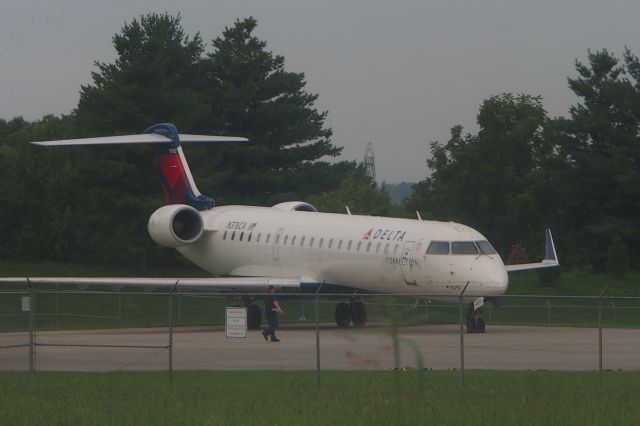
[[342, 398]]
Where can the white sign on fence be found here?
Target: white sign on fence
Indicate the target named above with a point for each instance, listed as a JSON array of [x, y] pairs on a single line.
[[236, 323], [26, 306]]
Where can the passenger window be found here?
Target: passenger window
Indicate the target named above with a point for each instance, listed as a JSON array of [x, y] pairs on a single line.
[[395, 250], [249, 237], [386, 248], [277, 239], [268, 238], [302, 241], [359, 245], [259, 235], [330, 242], [293, 240], [311, 242], [378, 247], [321, 242], [438, 247], [368, 246], [349, 245], [339, 244], [224, 236], [233, 235], [241, 236], [286, 238], [463, 247]]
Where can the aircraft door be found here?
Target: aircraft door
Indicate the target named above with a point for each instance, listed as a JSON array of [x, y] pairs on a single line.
[[407, 262], [277, 241]]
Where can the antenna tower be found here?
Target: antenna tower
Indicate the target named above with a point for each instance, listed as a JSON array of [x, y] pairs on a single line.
[[370, 163]]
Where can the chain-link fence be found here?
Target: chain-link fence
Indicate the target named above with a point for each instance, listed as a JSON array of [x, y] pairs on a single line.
[[64, 329]]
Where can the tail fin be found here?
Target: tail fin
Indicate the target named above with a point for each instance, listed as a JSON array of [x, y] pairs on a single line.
[[177, 182]]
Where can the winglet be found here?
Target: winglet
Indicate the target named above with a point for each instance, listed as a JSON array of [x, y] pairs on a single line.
[[550, 255]]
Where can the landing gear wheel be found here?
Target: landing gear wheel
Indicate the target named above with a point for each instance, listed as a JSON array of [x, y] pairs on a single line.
[[254, 317], [359, 314], [475, 324], [343, 315]]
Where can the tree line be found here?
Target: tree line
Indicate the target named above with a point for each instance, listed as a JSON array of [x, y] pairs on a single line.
[[523, 171]]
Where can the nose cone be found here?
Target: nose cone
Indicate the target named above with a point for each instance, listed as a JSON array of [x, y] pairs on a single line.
[[498, 278]]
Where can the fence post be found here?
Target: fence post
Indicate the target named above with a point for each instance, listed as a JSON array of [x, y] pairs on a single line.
[[57, 303], [31, 334], [548, 311], [179, 307], [119, 307], [613, 305], [600, 331], [173, 289], [317, 305], [462, 335]]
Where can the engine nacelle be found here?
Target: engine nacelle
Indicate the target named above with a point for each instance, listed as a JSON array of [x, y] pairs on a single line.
[[299, 206], [175, 225]]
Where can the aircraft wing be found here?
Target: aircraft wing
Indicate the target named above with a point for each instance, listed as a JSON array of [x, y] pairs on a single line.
[[550, 257], [229, 285]]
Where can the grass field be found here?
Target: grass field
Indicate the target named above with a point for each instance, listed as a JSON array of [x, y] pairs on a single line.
[[343, 398], [293, 398]]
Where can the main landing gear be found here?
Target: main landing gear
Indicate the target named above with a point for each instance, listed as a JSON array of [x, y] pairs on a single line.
[[475, 324], [355, 311], [254, 315]]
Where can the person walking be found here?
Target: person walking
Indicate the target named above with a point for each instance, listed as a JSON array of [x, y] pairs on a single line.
[[271, 309]]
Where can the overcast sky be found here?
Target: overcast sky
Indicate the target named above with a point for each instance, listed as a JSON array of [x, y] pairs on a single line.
[[399, 74]]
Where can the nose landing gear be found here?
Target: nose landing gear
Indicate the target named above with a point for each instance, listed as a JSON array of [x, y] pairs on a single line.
[[475, 324]]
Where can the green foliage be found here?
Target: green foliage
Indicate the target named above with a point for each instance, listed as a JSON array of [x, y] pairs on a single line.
[[600, 148], [491, 180], [342, 398], [618, 259], [520, 173], [250, 93], [361, 197], [92, 205], [523, 172], [156, 77], [549, 276]]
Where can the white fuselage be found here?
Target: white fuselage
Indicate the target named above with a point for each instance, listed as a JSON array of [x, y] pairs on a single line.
[[371, 254]]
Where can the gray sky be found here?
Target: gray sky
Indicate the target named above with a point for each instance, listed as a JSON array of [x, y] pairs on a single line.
[[399, 74]]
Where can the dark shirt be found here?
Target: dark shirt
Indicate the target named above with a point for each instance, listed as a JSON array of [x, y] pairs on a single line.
[[269, 305]]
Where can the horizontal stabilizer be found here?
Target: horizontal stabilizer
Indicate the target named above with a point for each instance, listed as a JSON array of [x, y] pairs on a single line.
[[550, 257], [141, 138]]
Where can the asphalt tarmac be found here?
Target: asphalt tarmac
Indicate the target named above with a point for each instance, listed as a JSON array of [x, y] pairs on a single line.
[[369, 348]]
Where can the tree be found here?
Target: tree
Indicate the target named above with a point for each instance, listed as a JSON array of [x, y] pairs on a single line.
[[490, 180], [601, 148], [617, 257], [98, 200], [156, 77], [35, 220], [250, 93], [361, 198]]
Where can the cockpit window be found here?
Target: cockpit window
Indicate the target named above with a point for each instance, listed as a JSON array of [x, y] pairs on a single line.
[[438, 247], [463, 247], [485, 247]]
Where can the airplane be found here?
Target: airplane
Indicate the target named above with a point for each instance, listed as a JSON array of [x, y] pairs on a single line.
[[298, 249]]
